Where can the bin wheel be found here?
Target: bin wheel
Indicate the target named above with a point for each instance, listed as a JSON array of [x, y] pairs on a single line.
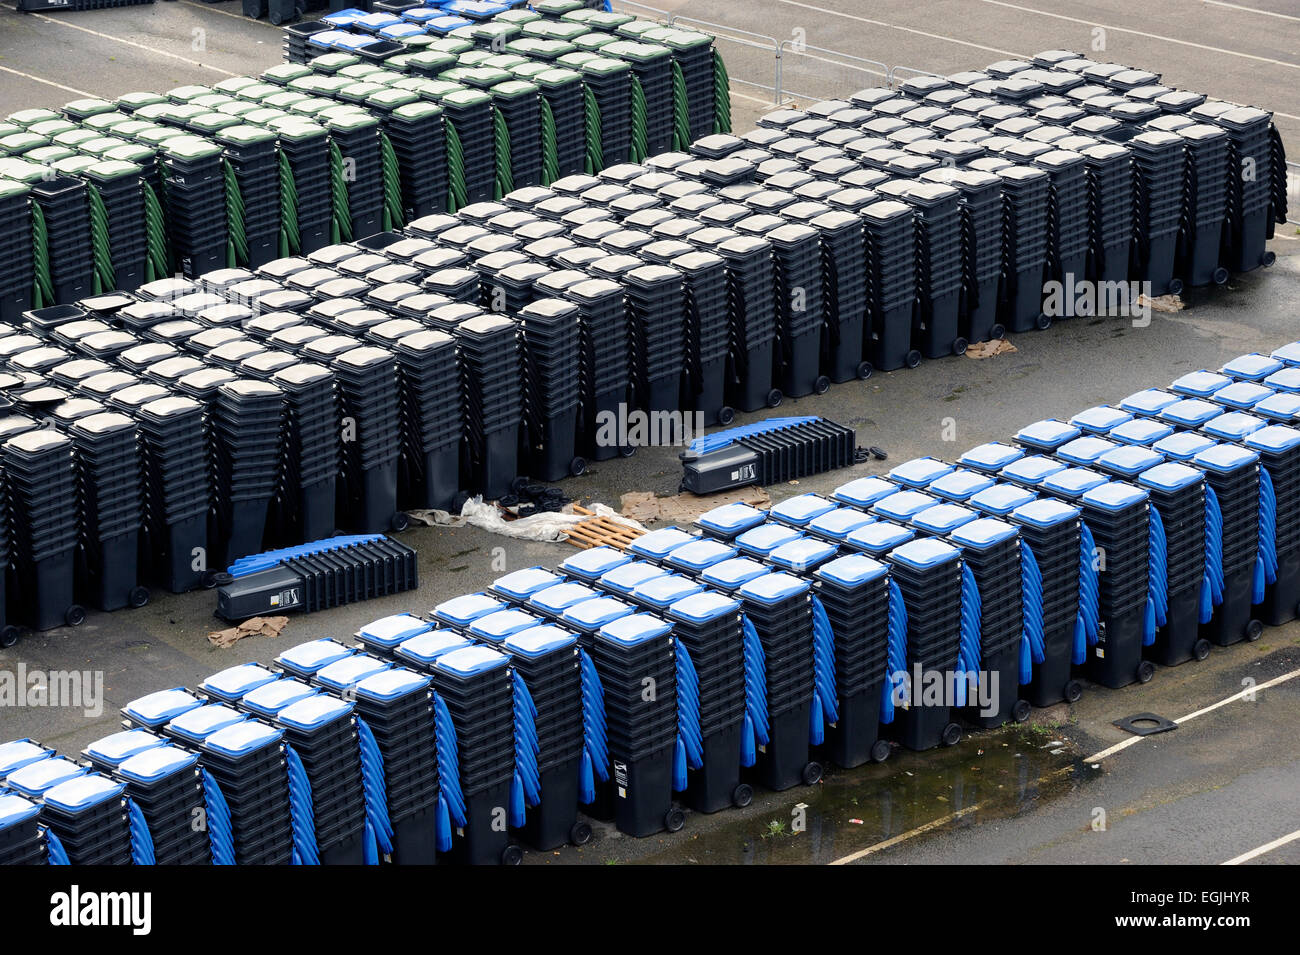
[[276, 18], [1043, 322], [997, 332], [577, 467], [1146, 670], [912, 359], [726, 415], [864, 370], [880, 751], [1073, 691], [959, 346], [214, 578], [8, 637], [812, 774], [580, 834], [1268, 258], [742, 795], [674, 820], [821, 385], [1020, 711], [627, 451], [951, 734], [75, 615], [1254, 630], [137, 597], [512, 855], [774, 398], [400, 521], [1201, 649], [1220, 276], [1175, 286]]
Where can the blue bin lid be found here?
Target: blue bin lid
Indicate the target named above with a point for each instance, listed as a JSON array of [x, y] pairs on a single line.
[[1144, 431], [314, 711], [1183, 446], [497, 626], [773, 588], [903, 505], [924, 553], [841, 522], [469, 661], [625, 579], [1252, 367], [559, 598], [943, 518], [202, 722], [1045, 512], [919, 472], [1002, 498], [596, 612], [521, 584], [960, 484], [658, 543], [1191, 412], [1233, 426], [1288, 353], [1287, 379], [310, 657], [242, 738], [1100, 419], [467, 608], [1048, 434], [391, 684], [115, 747], [1073, 481], [730, 574], [1151, 401], [704, 606], [990, 456], [591, 563], [668, 589], [1199, 384], [344, 673], [18, 753], [1241, 394], [982, 533], [234, 682], [765, 538], [44, 774], [1280, 405], [700, 553], [801, 509], [390, 631], [427, 647], [1225, 458], [1031, 469], [80, 794], [1114, 496], [731, 518], [1130, 459], [880, 536], [1084, 451], [536, 641], [863, 492], [635, 628], [15, 810], [271, 698], [1170, 476], [157, 764], [801, 554], [1275, 438], [157, 708], [852, 570]]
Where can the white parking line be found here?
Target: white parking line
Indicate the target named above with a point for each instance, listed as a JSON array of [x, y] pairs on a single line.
[[37, 79], [893, 26], [139, 46], [1238, 6], [1266, 847], [904, 836]]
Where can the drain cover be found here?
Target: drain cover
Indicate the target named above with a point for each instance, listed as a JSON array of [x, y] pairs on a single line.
[[1145, 724]]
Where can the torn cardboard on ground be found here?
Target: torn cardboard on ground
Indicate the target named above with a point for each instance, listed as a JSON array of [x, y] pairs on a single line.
[[253, 627], [645, 507], [999, 346]]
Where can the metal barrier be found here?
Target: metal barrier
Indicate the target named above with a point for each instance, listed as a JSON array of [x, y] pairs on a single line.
[[1293, 192]]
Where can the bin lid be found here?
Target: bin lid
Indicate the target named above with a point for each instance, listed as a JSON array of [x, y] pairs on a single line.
[[1243, 394], [539, 640], [658, 543], [1183, 445], [626, 577], [344, 673], [1233, 426], [1084, 450], [1252, 367], [852, 570], [427, 647], [839, 523], [1199, 384], [1101, 418], [919, 472], [468, 607], [704, 606], [1279, 405], [880, 536], [765, 538], [863, 492], [1130, 459], [1274, 438], [559, 597], [1032, 469], [802, 508], [390, 631], [1171, 476], [270, 698], [1290, 354], [594, 561], [159, 707], [635, 628], [1150, 401], [960, 484], [903, 505], [1225, 458], [203, 721], [982, 533], [391, 684], [799, 555], [15, 810], [156, 763], [731, 518], [665, 590], [1191, 412], [311, 656], [77, 795], [499, 625], [1049, 433], [923, 553], [35, 778], [1143, 431], [596, 611], [242, 738], [312, 712], [700, 553], [18, 753], [469, 661], [943, 518], [114, 748], [1045, 512], [992, 455], [1288, 379], [1073, 482], [234, 682], [1113, 496], [730, 574], [773, 588]]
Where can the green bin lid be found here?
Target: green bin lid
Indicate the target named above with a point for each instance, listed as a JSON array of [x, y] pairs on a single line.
[[48, 154], [296, 128], [12, 187], [539, 47], [352, 120], [184, 112], [185, 94], [452, 44], [102, 144], [13, 167], [238, 108], [108, 169], [154, 111], [465, 98], [264, 115], [561, 30], [636, 52], [157, 135], [492, 29], [557, 8], [73, 165], [416, 41], [8, 129], [312, 106], [256, 92], [106, 121], [284, 99], [87, 107], [388, 99], [18, 143], [236, 83], [478, 77], [362, 71], [605, 66], [49, 127], [212, 100], [635, 29], [190, 148], [473, 57], [30, 117], [243, 134], [577, 59], [359, 90], [417, 111], [505, 61], [333, 62], [513, 89], [134, 101], [282, 73], [556, 76], [593, 41], [133, 153], [210, 123], [431, 61], [599, 19], [517, 16]]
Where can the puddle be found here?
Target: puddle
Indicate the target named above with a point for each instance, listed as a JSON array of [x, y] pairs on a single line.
[[989, 776]]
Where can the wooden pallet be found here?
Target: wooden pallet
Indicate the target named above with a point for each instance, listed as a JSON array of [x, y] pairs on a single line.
[[600, 532]]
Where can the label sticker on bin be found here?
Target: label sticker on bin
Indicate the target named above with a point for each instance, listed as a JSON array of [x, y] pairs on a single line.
[[863, 492], [427, 647], [463, 610], [155, 764], [1048, 434], [307, 658], [1149, 402], [591, 563], [522, 584], [344, 673], [242, 738], [731, 519], [470, 661], [625, 579], [495, 627], [200, 723], [78, 795], [537, 641], [919, 472], [390, 631], [658, 543], [162, 706], [703, 606], [1045, 512], [232, 683], [270, 698], [114, 748]]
